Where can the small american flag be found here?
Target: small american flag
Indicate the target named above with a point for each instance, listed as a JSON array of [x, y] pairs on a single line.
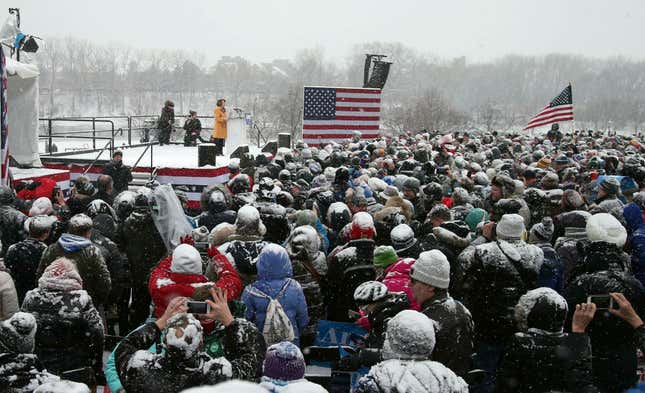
[[334, 113], [560, 109], [4, 127]]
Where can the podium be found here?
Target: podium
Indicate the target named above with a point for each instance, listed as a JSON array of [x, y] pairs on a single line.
[[206, 154]]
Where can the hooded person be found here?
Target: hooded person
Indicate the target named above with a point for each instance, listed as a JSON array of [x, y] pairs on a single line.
[[275, 282], [605, 270], [493, 277], [570, 237], [70, 329], [86, 256], [350, 265], [246, 243], [453, 322], [541, 357], [41, 207], [551, 272], [309, 270], [20, 369], [215, 207], [283, 370], [11, 220], [407, 368], [182, 363], [636, 240]]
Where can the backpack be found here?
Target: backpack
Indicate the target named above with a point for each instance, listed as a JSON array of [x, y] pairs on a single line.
[[277, 326]]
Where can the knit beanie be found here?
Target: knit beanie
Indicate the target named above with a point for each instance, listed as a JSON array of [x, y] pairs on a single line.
[[542, 231], [186, 260], [409, 336], [284, 361], [544, 163], [41, 206], [605, 227], [432, 268], [510, 227], [610, 185], [384, 256], [248, 221], [306, 217], [17, 334], [474, 217], [402, 237], [61, 275]]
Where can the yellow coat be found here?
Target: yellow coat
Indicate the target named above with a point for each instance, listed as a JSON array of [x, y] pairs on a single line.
[[220, 123]]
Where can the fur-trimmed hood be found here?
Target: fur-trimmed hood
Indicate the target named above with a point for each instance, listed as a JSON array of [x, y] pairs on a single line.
[[406, 207]]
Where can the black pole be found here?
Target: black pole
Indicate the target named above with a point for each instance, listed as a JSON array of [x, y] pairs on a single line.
[[49, 121]]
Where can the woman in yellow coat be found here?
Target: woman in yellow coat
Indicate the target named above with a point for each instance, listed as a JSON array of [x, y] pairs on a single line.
[[219, 129]]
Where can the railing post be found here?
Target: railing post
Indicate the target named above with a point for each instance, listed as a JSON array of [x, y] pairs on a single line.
[[49, 121], [129, 130], [151, 160], [93, 133], [112, 144]]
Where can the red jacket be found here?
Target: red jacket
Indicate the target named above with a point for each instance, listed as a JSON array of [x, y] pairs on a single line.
[[44, 189], [227, 277]]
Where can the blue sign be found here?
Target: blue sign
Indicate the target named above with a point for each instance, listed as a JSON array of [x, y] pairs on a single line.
[[332, 333]]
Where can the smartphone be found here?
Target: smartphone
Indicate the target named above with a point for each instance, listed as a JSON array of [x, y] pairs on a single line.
[[602, 302], [198, 307]]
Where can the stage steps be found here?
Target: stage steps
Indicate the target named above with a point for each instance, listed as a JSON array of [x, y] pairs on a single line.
[[139, 179]]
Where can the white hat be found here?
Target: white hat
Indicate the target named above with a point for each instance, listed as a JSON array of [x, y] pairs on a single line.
[[432, 268], [511, 226], [186, 260], [409, 335], [605, 227]]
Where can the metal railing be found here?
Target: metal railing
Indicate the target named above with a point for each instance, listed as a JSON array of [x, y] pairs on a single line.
[[98, 156], [149, 146]]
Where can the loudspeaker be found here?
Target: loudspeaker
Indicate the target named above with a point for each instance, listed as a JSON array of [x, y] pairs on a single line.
[[239, 151], [284, 140], [206, 154], [379, 74], [271, 147]]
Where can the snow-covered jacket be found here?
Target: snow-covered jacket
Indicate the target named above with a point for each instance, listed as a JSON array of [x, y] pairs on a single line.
[[396, 278], [571, 250], [70, 330], [636, 241], [22, 373], [297, 386], [409, 376], [142, 371], [22, 261], [12, 224], [88, 260], [148, 249], [242, 251], [220, 271], [274, 270]]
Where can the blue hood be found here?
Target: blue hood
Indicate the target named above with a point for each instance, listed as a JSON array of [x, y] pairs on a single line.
[[633, 217], [73, 243], [274, 263]]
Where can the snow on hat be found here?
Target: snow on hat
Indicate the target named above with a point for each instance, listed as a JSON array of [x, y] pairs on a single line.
[[432, 268], [219, 235], [541, 308], [510, 227], [572, 200], [186, 260], [542, 231], [376, 184], [544, 163], [402, 237], [62, 386], [605, 227], [389, 192], [61, 275], [284, 362], [234, 386], [39, 223], [610, 185], [189, 340], [410, 335], [248, 221], [41, 206], [384, 256], [362, 226], [474, 217], [17, 334], [306, 217]]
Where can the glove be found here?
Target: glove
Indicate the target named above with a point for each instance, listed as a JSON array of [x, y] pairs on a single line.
[[212, 251], [187, 240]]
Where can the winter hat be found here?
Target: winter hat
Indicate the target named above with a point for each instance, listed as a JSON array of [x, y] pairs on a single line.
[[61, 275], [304, 241], [572, 200], [40, 223], [440, 211], [186, 260], [605, 227], [389, 192], [284, 361], [510, 227], [41, 206], [219, 235], [610, 186], [200, 234], [84, 186], [306, 217], [402, 237], [550, 181], [409, 336], [233, 386], [187, 343], [541, 308], [17, 333], [542, 232], [248, 221], [474, 217], [62, 386], [544, 163], [384, 256], [432, 268], [99, 206], [362, 226]]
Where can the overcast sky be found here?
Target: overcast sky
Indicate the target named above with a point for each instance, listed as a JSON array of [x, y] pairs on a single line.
[[262, 30]]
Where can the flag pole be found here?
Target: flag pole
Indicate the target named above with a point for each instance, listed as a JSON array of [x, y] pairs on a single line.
[[573, 121]]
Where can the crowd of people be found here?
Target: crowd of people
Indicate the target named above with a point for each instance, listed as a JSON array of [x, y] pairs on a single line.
[[474, 263]]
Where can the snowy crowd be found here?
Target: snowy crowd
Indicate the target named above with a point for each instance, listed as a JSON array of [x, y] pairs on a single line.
[[473, 263]]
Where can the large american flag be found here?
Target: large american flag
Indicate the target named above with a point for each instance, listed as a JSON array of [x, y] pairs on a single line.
[[4, 127], [560, 109], [334, 113]]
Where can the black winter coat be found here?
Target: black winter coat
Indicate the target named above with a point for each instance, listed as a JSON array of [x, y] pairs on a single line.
[[142, 244], [116, 263], [379, 317], [211, 219], [21, 372], [142, 371], [455, 333], [70, 331], [537, 362], [11, 227], [612, 339], [243, 252], [22, 261], [121, 175]]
